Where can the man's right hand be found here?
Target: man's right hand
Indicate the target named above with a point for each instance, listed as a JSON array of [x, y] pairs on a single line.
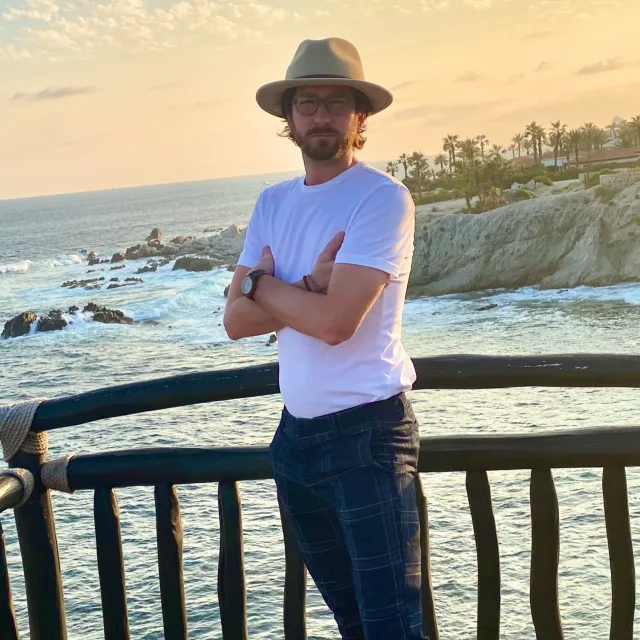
[[323, 268]]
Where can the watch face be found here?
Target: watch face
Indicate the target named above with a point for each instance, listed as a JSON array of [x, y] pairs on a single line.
[[247, 283]]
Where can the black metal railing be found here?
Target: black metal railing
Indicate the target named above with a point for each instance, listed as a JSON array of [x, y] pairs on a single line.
[[612, 449]]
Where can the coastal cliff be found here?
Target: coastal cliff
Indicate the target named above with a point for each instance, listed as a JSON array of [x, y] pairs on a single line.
[[587, 238]]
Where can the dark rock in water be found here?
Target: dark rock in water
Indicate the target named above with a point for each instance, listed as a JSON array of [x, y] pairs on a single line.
[[487, 307], [155, 234], [128, 282], [108, 316], [117, 257], [53, 321], [164, 262], [91, 270], [181, 239], [19, 326], [74, 284], [152, 323], [155, 244], [114, 280], [231, 267], [193, 264], [209, 230], [93, 261], [93, 287], [73, 309], [133, 280], [226, 291], [272, 339], [150, 268], [120, 266]]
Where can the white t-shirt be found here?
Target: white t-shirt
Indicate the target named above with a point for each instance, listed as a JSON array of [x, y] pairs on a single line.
[[377, 214]]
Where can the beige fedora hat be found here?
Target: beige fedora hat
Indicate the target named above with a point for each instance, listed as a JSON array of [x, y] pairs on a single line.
[[332, 61]]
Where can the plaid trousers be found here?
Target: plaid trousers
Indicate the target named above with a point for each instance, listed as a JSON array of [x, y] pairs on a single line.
[[346, 484]]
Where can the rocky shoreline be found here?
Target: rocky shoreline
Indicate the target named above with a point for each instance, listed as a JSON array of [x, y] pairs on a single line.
[[56, 320]]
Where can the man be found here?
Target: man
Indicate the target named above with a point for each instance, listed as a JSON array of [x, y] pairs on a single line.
[[325, 263]]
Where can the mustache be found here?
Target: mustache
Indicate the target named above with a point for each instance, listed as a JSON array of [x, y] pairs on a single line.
[[321, 130]]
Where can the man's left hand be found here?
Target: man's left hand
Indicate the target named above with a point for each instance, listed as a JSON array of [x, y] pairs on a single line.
[[267, 262]]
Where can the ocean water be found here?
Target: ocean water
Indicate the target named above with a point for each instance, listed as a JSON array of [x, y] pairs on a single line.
[[41, 240]]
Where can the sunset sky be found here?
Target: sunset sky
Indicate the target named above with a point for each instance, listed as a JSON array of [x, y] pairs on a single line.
[[130, 92]]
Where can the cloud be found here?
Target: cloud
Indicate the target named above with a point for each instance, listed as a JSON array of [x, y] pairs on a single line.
[[543, 66], [604, 66], [402, 85], [539, 35], [469, 76], [445, 114], [323, 12], [52, 93], [402, 10], [63, 29], [163, 86], [479, 4]]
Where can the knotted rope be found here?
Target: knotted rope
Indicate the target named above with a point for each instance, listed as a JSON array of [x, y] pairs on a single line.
[[15, 433], [26, 479], [54, 473]]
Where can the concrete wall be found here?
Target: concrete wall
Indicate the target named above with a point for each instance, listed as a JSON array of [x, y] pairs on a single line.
[[620, 180]]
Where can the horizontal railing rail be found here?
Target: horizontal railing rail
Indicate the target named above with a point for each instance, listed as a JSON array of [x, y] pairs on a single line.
[[442, 372], [610, 448], [580, 448]]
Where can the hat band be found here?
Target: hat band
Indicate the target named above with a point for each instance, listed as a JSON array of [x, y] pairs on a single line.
[[322, 75]]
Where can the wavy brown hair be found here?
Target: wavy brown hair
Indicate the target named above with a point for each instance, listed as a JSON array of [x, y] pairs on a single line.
[[363, 107]]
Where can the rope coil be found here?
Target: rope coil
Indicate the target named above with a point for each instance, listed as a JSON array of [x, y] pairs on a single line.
[[15, 425], [26, 480], [54, 473]]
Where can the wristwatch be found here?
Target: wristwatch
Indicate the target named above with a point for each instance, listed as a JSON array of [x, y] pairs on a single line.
[[250, 282]]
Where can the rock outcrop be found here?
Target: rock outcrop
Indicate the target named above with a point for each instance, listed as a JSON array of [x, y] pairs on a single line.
[[587, 238], [55, 320], [193, 264]]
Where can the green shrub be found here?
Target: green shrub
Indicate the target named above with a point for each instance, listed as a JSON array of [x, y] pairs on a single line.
[[544, 179], [523, 194], [592, 180], [604, 194], [432, 197]]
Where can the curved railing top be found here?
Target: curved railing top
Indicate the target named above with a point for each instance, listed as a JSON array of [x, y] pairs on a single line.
[[440, 372]]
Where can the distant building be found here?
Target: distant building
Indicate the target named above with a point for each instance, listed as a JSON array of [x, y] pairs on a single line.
[[606, 154]]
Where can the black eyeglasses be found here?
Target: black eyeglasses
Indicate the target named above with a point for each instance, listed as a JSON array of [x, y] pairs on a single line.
[[308, 105]]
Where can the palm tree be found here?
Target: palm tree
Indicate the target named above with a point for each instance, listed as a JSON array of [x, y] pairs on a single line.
[[526, 144], [512, 148], [542, 137], [531, 132], [392, 167], [441, 160], [588, 136], [575, 137], [517, 140], [469, 150], [404, 161], [635, 126], [555, 138], [600, 138], [482, 141], [497, 150], [449, 144], [420, 166]]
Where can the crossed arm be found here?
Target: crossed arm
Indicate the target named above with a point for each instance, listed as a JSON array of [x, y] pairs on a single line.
[[332, 317]]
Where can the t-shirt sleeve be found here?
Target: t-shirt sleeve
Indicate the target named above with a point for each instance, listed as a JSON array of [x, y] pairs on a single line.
[[254, 238], [381, 232]]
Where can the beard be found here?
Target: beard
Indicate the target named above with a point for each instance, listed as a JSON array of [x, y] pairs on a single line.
[[324, 149]]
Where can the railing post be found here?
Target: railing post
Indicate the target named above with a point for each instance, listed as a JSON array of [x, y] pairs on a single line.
[[39, 549], [8, 623], [429, 620], [232, 592]]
